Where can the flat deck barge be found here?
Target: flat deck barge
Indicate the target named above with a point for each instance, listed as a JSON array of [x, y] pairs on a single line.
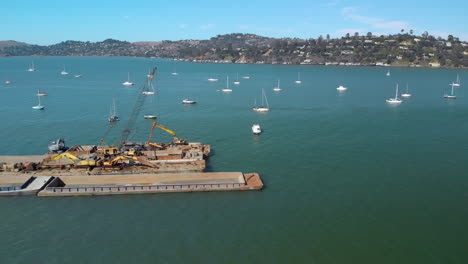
[[139, 183]]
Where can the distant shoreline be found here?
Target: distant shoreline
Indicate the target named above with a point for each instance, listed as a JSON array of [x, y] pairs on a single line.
[[246, 63]]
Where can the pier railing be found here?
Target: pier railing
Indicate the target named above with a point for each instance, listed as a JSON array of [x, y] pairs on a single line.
[[144, 188]]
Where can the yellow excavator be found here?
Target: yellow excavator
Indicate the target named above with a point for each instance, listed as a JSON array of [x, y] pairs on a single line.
[[76, 161], [175, 140], [114, 161]]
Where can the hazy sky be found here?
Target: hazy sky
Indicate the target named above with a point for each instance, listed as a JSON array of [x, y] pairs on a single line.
[[51, 21]]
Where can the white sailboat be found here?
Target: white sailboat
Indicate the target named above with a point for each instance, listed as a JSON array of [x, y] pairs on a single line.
[[395, 100], [212, 80], [388, 73], [64, 72], [149, 91], [175, 71], [277, 88], [262, 108], [39, 93], [298, 81], [341, 88], [227, 89], [150, 116], [7, 82], [38, 106], [256, 129], [237, 82], [457, 82], [406, 94], [246, 77], [78, 76], [450, 96], [128, 82], [31, 67], [113, 117]]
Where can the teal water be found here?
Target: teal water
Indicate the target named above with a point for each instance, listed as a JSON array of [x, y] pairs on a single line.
[[349, 179]]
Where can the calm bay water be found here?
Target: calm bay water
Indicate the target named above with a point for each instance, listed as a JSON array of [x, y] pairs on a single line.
[[349, 179]]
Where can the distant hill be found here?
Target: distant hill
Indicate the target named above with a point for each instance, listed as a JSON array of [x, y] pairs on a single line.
[[11, 43], [403, 49]]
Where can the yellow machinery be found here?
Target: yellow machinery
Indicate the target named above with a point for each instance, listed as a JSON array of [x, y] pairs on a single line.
[[114, 161], [176, 140], [76, 161]]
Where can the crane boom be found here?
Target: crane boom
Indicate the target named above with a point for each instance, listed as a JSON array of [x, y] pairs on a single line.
[[137, 108], [174, 135]]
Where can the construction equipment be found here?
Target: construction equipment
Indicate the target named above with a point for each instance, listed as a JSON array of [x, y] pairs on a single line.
[[137, 108], [175, 140], [74, 160], [117, 159]]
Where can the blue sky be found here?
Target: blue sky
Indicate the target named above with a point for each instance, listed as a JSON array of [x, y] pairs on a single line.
[[53, 21]]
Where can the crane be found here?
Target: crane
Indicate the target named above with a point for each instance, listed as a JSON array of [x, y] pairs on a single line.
[[137, 108], [176, 140]]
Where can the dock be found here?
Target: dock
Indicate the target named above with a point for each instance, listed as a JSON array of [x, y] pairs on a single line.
[[132, 183]]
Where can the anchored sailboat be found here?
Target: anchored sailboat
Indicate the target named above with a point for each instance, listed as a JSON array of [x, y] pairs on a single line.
[[450, 96], [262, 108], [395, 100], [31, 67], [39, 93], [128, 82], [457, 82], [298, 81], [113, 117], [64, 72], [406, 94], [38, 106], [237, 82], [277, 88], [227, 89]]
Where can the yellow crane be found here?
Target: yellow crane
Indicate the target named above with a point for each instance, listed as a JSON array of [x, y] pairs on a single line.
[[76, 161], [175, 140]]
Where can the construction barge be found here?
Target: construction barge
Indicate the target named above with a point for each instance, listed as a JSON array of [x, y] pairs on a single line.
[[129, 168]]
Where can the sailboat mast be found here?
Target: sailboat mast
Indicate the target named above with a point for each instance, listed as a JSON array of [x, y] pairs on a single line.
[[227, 82], [452, 89], [396, 93]]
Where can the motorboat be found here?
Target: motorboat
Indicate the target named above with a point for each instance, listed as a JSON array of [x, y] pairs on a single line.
[[341, 88], [256, 129], [188, 101]]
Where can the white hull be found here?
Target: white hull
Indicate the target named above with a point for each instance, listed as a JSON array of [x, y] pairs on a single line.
[[277, 89], [174, 73], [341, 89], [150, 117], [246, 77], [148, 93], [226, 90], [128, 83], [394, 101], [41, 94], [38, 107], [187, 101], [212, 80], [7, 82], [78, 76], [31, 70], [261, 109], [450, 96], [237, 83], [406, 95], [456, 85], [298, 82], [64, 73]]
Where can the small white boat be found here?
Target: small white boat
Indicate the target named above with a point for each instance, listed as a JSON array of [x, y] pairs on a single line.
[[388, 73], [39, 93], [78, 76], [457, 82], [188, 101], [113, 117], [128, 82], [256, 129], [262, 108], [64, 72], [395, 100], [212, 80], [246, 77], [38, 106], [237, 82], [450, 96], [227, 89], [31, 67], [150, 116], [277, 88], [175, 73], [406, 94], [298, 81], [341, 88], [7, 82], [175, 70]]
